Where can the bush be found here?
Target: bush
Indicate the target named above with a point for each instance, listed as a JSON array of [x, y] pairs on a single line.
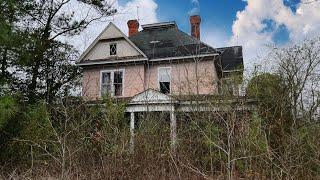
[[8, 108]]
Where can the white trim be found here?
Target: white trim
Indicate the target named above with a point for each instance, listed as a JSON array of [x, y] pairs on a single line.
[[149, 108], [164, 67], [110, 62], [142, 59], [112, 80], [98, 38], [159, 24], [184, 57]]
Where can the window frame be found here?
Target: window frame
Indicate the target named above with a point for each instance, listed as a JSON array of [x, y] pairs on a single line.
[[170, 70], [116, 45], [112, 71]]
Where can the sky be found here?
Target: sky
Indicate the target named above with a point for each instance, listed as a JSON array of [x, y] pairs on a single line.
[[253, 24]]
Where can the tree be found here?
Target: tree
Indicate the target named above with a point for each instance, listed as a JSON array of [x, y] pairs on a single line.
[[272, 105], [269, 89], [45, 62], [10, 39], [299, 67]]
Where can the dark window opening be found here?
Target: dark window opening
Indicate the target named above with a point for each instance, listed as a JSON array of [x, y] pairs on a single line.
[[164, 79], [165, 87], [113, 49], [118, 76]]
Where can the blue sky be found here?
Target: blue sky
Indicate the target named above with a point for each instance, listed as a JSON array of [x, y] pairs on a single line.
[[253, 24], [215, 13]]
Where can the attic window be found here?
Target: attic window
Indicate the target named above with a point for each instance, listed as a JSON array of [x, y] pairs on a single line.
[[113, 49]]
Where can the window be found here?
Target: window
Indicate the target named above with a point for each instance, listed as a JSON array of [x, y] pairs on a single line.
[[113, 49], [227, 87], [106, 83], [112, 82], [164, 79], [117, 82]]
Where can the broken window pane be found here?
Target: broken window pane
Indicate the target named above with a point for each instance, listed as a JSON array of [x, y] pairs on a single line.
[[118, 79], [106, 83], [164, 77], [112, 82], [165, 87]]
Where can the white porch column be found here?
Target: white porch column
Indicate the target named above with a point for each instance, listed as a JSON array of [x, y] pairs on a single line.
[[132, 132], [173, 129]]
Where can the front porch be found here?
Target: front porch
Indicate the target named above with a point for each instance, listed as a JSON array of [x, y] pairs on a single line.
[[153, 101]]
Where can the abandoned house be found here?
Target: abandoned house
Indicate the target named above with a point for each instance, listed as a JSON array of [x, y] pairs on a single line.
[[158, 68]]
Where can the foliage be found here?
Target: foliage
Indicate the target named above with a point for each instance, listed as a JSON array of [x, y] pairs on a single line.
[[8, 108], [36, 132], [34, 59], [111, 127]]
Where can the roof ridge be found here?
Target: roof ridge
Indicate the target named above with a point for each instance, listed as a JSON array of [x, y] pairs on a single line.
[[169, 24]]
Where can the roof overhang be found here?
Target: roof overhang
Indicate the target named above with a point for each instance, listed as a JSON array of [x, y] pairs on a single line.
[[184, 57], [93, 62]]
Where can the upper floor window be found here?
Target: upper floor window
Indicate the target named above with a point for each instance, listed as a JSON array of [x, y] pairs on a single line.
[[112, 82], [113, 49], [228, 87], [164, 79]]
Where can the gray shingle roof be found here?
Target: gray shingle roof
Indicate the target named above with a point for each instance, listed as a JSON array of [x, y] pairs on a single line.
[[231, 58], [169, 41]]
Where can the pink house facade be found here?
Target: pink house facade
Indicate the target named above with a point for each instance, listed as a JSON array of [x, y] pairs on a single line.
[[153, 67], [160, 57]]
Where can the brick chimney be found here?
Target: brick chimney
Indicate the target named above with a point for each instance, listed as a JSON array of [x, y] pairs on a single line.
[[195, 21], [133, 26]]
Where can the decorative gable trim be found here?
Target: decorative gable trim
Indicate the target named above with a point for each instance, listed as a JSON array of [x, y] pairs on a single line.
[[99, 38], [151, 96]]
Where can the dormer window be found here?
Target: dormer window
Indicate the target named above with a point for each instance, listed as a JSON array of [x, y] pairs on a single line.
[[113, 49]]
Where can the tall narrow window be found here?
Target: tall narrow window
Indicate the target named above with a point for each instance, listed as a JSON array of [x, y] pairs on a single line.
[[164, 78], [113, 49], [106, 83], [117, 82], [112, 82], [226, 87]]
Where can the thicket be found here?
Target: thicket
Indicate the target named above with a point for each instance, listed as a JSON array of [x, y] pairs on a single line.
[[46, 133], [73, 139]]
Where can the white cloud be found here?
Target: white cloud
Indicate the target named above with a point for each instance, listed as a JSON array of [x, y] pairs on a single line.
[[144, 10], [248, 29]]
